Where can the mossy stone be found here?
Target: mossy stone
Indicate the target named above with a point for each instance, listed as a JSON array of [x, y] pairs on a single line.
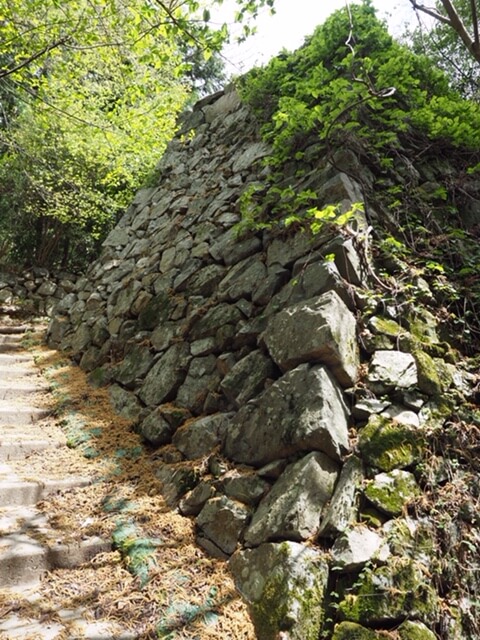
[[423, 326], [395, 591], [386, 327], [388, 445], [409, 630], [353, 631], [284, 585], [101, 376], [154, 313], [389, 492], [429, 380]]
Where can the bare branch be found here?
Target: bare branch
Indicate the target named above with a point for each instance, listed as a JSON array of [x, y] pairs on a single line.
[[476, 40], [430, 12], [460, 29]]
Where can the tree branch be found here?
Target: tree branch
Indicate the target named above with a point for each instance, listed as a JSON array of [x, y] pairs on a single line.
[[430, 12], [7, 72], [476, 40], [460, 29]]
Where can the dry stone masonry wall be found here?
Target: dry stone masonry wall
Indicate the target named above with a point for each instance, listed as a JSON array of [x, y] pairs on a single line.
[[289, 410]]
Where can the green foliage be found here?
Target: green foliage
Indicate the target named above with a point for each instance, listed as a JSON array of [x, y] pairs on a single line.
[[90, 91], [94, 112], [350, 84], [447, 51]]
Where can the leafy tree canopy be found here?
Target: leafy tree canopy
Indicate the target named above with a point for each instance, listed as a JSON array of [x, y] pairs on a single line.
[[89, 93]]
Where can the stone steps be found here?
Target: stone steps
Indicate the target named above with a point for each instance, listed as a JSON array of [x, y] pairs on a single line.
[[29, 546]]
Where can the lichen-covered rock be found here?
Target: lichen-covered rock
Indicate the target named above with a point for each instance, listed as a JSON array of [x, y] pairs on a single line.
[[389, 492], [302, 411], [156, 429], [284, 585], [176, 480], [392, 370], [197, 438], [355, 548], [165, 377], [222, 521], [354, 631], [193, 501], [387, 444], [202, 377], [322, 330], [372, 602], [247, 377], [135, 365], [293, 507], [247, 487], [410, 630], [342, 509], [125, 403]]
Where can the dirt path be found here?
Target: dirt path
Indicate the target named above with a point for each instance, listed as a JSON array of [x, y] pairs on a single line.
[[88, 547]]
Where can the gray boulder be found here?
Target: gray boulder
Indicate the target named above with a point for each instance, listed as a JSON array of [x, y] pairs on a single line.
[[202, 377], [165, 377], [247, 377], [321, 329], [342, 508], [284, 585], [390, 370], [197, 438], [356, 547], [301, 411], [293, 507], [221, 522]]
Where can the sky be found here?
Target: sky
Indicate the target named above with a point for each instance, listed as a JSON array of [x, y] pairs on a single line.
[[295, 19]]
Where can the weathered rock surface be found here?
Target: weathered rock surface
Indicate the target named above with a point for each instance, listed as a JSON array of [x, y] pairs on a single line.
[[304, 410], [392, 370], [285, 585], [341, 511], [355, 548], [318, 330], [221, 522], [293, 508]]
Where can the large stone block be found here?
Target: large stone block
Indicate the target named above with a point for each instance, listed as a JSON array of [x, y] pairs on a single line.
[[222, 521], [284, 585], [165, 377], [293, 507], [321, 329], [302, 411]]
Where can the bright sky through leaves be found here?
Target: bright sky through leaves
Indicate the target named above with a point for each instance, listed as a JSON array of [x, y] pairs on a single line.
[[295, 19]]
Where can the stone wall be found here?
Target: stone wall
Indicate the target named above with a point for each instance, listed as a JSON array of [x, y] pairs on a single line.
[[36, 289], [290, 406]]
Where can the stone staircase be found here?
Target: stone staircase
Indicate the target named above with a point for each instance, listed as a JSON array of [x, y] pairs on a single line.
[[29, 546]]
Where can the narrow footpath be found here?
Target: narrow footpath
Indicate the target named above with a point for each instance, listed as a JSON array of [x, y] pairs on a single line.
[[88, 547]]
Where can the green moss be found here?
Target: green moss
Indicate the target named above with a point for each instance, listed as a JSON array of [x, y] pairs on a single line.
[[389, 492], [353, 631], [388, 445], [293, 605], [270, 613], [372, 516], [390, 593], [429, 380], [415, 631], [423, 326], [386, 327]]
